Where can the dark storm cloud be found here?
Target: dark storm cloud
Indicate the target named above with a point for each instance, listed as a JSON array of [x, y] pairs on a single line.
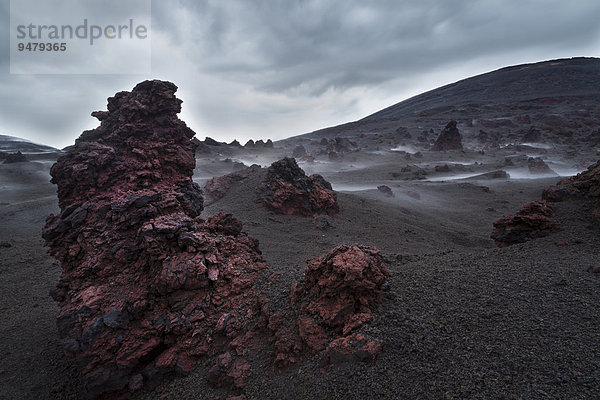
[[271, 68], [322, 44]]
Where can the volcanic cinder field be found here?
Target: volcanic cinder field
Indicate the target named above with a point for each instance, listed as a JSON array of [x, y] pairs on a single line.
[[448, 312]]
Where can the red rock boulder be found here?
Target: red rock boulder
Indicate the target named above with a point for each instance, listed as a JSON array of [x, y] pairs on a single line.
[[537, 166], [287, 190], [335, 298], [343, 285], [585, 184], [530, 222], [147, 287], [449, 139]]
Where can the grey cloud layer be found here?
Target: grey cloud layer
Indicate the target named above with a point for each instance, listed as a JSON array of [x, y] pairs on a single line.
[[321, 44]]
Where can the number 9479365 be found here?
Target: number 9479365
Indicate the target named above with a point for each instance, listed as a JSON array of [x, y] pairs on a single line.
[[34, 46]]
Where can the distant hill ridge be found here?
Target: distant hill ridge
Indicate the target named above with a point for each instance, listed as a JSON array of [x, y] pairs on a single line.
[[555, 78], [12, 144], [556, 87]]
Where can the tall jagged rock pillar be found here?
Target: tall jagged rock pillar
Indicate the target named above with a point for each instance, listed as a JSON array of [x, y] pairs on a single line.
[[147, 286]]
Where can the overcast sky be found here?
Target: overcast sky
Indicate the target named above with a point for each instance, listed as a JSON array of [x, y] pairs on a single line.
[[278, 68]]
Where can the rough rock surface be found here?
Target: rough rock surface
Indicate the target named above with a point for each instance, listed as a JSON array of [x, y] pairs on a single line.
[[534, 219], [449, 139], [17, 157], [335, 298], [537, 166], [147, 287], [586, 184], [287, 190], [342, 285], [531, 221], [283, 188]]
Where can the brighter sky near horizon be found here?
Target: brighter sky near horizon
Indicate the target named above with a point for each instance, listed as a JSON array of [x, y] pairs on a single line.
[[278, 68]]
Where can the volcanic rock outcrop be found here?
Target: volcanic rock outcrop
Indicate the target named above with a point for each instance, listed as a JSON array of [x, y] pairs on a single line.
[[537, 166], [13, 158], [449, 139], [534, 219], [341, 286], [287, 190], [530, 222], [283, 188], [585, 184], [147, 287], [334, 299]]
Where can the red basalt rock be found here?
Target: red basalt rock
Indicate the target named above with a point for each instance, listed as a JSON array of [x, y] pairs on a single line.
[[449, 139], [585, 184], [355, 347], [334, 299], [147, 287], [538, 166], [530, 222], [588, 182], [284, 188], [341, 286], [534, 219], [287, 190], [561, 191], [312, 333]]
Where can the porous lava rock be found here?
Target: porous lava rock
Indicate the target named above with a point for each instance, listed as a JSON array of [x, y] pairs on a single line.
[[283, 188], [449, 139], [586, 184], [147, 287], [530, 222], [13, 158], [287, 190], [342, 286], [534, 219], [334, 299], [537, 166]]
